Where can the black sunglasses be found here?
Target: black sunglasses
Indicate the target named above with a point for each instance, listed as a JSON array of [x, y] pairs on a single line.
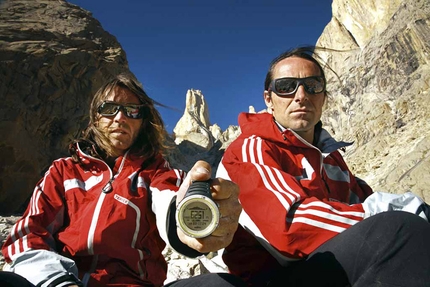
[[288, 86], [109, 109]]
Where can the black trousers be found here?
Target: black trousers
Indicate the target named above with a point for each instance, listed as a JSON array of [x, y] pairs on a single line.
[[209, 280], [9, 279], [388, 249]]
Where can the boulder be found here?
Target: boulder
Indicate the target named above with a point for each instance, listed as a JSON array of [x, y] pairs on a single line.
[[53, 57]]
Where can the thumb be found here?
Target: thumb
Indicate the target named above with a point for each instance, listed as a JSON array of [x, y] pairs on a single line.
[[199, 172]]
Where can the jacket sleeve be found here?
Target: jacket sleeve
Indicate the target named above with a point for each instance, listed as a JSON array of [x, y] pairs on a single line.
[[408, 202], [30, 249], [287, 221], [377, 202], [358, 188], [276, 209], [165, 183]]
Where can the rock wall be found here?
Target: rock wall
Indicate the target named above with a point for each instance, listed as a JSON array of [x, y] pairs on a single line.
[[379, 98], [53, 57]]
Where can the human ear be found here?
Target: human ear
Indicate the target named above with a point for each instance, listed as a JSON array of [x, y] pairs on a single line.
[[268, 100]]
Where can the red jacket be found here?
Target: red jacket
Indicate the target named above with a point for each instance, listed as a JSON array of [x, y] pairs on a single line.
[[294, 196], [108, 222]]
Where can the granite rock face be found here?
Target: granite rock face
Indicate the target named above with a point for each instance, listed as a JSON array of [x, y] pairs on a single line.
[[194, 124], [379, 99], [53, 57], [195, 138]]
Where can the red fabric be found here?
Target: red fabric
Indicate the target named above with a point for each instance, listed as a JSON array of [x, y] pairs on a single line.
[[125, 237], [296, 197]]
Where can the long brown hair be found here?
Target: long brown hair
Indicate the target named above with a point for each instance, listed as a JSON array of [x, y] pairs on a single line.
[[151, 138]]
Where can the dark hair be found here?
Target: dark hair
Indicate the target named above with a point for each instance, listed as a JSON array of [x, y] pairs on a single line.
[[305, 52], [149, 142]]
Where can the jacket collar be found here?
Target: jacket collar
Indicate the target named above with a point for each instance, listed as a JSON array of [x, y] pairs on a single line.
[[126, 159], [264, 126]]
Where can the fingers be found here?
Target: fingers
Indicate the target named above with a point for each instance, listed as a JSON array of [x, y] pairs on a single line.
[[229, 210], [220, 238], [214, 243], [207, 244], [224, 189], [226, 228], [225, 193]]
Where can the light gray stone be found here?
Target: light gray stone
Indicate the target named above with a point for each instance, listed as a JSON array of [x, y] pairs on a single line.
[[379, 99]]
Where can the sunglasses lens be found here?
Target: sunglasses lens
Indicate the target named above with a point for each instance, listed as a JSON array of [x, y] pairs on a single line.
[[108, 109], [314, 85], [111, 109], [288, 86], [285, 86], [133, 112]]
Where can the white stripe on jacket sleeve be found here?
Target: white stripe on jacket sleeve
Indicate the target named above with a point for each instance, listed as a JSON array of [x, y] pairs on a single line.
[[381, 201]]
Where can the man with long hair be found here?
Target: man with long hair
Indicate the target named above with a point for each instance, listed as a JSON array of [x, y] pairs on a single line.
[[101, 217]]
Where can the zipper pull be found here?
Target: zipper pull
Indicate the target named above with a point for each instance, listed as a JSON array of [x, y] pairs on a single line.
[[108, 187]]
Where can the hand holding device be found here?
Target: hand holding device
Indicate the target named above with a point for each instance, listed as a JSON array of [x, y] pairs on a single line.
[[197, 215]]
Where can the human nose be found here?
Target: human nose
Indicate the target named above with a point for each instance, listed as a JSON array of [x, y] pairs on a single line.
[[301, 94], [120, 116]]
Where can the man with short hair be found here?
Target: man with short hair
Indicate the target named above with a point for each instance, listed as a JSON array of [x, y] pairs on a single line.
[[306, 219]]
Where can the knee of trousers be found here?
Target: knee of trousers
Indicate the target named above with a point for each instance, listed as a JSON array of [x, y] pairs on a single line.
[[398, 222]]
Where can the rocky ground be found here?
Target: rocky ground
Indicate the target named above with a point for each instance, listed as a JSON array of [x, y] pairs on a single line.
[[6, 224]]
